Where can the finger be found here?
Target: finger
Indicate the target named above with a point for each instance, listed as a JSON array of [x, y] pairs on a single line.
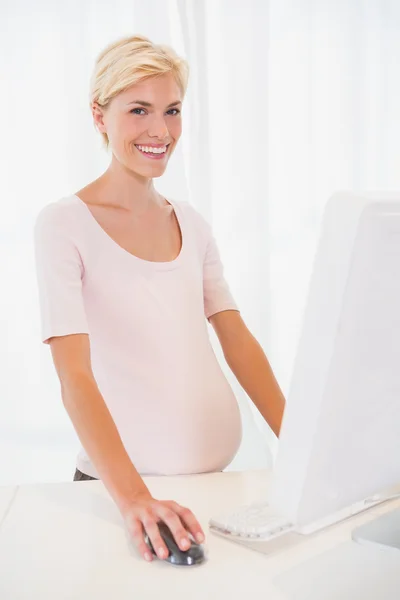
[[153, 532], [188, 519], [137, 533], [174, 524]]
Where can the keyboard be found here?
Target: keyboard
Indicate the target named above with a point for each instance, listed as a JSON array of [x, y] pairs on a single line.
[[255, 521], [258, 522]]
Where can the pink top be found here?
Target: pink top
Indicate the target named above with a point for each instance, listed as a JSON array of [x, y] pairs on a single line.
[[150, 348]]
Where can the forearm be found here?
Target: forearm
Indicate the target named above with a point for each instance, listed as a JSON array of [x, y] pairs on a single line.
[[251, 367], [100, 438]]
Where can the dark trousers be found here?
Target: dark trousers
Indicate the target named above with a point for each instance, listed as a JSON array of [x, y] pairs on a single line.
[[79, 476]]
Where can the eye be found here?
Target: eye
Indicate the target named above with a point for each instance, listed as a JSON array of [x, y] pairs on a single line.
[[175, 110], [133, 111]]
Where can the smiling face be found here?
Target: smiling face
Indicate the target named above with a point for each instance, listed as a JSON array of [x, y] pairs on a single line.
[[143, 124]]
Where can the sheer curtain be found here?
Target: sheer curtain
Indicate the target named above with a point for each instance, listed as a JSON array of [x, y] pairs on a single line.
[[289, 100]]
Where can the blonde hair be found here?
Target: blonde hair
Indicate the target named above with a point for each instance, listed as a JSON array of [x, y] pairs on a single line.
[[128, 61]]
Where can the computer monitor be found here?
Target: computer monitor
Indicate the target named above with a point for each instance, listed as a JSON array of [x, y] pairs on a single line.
[[340, 437]]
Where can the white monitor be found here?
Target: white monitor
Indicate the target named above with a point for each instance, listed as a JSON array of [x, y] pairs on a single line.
[[340, 436]]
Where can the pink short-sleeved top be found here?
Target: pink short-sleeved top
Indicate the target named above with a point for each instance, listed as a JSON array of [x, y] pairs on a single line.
[[151, 353]]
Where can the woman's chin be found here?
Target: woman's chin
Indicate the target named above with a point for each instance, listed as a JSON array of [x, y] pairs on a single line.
[[150, 171]]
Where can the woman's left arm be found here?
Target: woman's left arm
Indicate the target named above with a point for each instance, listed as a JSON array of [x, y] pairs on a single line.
[[250, 365]]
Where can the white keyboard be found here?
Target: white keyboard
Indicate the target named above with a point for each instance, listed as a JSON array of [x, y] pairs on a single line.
[[259, 522], [255, 521]]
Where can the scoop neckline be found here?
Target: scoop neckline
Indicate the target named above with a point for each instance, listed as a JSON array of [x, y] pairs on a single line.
[[159, 265]]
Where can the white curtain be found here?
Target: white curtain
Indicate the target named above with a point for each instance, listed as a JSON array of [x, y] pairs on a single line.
[[289, 100]]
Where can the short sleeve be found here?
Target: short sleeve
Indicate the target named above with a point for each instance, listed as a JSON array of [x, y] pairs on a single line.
[[59, 272], [217, 295]]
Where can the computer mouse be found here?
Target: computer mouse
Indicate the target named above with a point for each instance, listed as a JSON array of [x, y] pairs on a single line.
[[182, 558]]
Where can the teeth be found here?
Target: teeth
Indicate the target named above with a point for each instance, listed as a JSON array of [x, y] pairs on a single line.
[[161, 150]]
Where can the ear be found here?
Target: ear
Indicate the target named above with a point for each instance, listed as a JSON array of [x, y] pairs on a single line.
[[98, 117]]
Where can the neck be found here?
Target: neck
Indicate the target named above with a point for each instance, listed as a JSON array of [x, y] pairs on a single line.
[[127, 190]]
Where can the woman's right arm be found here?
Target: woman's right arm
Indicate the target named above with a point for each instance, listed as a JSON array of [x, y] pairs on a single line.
[[99, 436], [92, 420]]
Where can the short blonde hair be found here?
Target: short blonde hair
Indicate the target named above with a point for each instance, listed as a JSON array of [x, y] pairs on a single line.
[[128, 61]]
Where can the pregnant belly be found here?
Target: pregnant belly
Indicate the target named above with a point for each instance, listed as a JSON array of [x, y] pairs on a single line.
[[189, 429]]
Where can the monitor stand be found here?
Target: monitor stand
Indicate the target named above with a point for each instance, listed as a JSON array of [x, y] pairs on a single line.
[[383, 531]]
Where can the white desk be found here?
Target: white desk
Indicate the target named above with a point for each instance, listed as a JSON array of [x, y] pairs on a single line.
[[67, 542]]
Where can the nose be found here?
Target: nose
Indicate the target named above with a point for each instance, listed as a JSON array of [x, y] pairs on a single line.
[[158, 128]]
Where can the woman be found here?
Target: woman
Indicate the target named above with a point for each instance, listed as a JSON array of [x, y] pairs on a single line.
[[126, 279]]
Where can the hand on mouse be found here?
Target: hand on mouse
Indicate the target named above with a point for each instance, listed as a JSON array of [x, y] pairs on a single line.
[[142, 515]]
